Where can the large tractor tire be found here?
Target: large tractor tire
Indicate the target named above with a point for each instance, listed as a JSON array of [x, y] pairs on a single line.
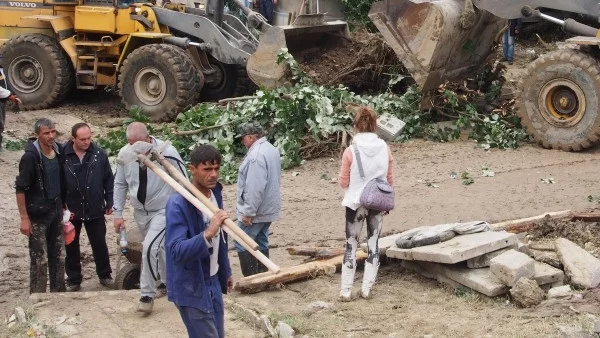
[[128, 277], [161, 79], [38, 70], [230, 81], [559, 100]]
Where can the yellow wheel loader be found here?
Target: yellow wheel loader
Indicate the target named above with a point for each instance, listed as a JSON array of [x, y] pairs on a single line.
[[445, 40], [161, 58]]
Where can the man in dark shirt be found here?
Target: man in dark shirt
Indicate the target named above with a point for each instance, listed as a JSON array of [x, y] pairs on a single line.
[[89, 181], [40, 196]]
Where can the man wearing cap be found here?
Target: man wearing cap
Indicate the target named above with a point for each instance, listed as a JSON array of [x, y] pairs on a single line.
[[258, 197], [5, 95]]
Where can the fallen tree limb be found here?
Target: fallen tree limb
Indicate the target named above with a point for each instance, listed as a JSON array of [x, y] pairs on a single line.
[[262, 281], [524, 224], [196, 131], [586, 217]]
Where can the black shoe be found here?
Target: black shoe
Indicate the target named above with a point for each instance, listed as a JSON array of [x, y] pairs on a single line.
[[108, 282], [73, 287]]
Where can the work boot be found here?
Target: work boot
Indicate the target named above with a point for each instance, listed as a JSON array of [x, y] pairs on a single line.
[[247, 263], [146, 304], [347, 281], [369, 276], [260, 267], [73, 287], [108, 282]]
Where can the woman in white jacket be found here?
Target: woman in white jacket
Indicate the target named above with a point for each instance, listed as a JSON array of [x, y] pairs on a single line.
[[377, 162]]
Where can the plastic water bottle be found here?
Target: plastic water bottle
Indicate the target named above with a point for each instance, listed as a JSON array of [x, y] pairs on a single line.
[[123, 241]]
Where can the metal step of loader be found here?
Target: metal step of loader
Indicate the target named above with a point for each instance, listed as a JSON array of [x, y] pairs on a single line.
[[83, 70]]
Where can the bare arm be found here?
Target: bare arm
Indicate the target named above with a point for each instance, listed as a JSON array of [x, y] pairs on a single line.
[[25, 222]]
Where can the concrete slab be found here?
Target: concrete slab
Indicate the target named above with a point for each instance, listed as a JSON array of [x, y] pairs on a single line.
[[480, 280], [582, 268], [458, 249], [546, 274]]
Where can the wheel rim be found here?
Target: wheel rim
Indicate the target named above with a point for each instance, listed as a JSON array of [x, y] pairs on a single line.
[[562, 103], [218, 78], [150, 86], [26, 74]]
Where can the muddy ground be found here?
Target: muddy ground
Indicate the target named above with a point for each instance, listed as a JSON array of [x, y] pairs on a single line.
[[404, 304]]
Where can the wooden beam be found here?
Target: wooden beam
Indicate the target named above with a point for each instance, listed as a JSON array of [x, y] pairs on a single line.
[[524, 224], [261, 281]]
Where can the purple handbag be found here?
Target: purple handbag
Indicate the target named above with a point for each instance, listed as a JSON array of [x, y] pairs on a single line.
[[378, 194]]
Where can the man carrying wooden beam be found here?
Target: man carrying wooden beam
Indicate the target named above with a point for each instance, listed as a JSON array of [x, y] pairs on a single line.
[[198, 270]]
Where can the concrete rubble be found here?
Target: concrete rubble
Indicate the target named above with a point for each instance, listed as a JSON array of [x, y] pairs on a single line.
[[511, 266], [581, 267], [560, 292], [527, 293], [495, 263]]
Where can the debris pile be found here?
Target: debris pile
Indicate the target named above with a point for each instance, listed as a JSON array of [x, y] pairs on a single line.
[[495, 263], [360, 63]]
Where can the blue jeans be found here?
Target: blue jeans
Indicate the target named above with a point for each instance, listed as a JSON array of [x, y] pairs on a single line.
[[265, 7], [508, 45], [259, 232], [202, 324]]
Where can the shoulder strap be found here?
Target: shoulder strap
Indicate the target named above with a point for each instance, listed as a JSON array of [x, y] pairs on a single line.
[[358, 161]]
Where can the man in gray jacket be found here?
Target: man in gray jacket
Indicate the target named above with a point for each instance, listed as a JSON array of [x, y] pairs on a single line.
[[258, 197], [148, 194]]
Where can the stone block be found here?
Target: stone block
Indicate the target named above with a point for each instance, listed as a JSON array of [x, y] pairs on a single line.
[[548, 257], [581, 267], [560, 292], [512, 265], [527, 293], [483, 261], [546, 274], [458, 249]]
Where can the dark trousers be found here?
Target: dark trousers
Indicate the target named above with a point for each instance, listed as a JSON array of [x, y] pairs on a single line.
[[265, 7], [96, 231], [46, 244], [202, 324]]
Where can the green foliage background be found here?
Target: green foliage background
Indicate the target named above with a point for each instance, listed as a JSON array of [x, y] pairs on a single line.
[[291, 114]]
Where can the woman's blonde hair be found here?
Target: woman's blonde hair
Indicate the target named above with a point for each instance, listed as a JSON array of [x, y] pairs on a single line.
[[365, 120]]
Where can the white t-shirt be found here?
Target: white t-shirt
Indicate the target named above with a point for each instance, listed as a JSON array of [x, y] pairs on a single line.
[[213, 243]]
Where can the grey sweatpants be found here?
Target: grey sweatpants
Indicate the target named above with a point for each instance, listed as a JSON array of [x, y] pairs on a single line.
[[152, 226], [2, 119]]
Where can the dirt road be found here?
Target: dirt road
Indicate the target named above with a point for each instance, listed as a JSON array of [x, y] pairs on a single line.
[[405, 305]]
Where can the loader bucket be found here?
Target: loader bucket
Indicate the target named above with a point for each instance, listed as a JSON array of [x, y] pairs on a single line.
[[438, 40], [262, 66]]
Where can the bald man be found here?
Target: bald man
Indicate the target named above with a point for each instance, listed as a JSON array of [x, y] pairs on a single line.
[[148, 195]]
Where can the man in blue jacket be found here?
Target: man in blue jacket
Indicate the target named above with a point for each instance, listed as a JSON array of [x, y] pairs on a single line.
[[198, 270], [89, 181]]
